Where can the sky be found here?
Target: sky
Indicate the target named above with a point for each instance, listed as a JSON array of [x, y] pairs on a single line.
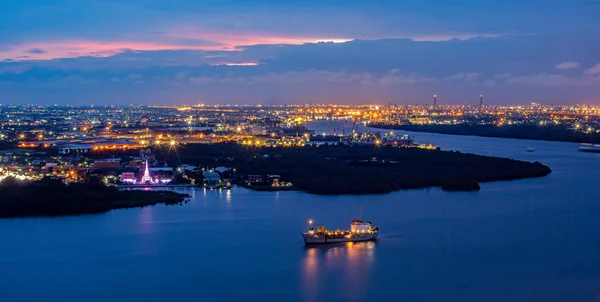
[[290, 52]]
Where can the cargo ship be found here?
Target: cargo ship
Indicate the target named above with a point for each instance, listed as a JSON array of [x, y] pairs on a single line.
[[359, 231], [589, 148]]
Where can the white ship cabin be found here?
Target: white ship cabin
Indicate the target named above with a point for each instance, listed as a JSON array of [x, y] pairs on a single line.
[[359, 226]]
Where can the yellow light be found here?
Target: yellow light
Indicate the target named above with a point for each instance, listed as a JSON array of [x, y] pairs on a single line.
[[172, 143], [310, 221], [158, 142]]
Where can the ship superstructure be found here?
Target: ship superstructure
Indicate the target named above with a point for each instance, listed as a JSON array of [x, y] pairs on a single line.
[[359, 231]]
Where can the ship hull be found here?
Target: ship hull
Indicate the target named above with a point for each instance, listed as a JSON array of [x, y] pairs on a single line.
[[308, 239]]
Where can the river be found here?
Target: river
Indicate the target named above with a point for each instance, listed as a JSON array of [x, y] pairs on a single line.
[[525, 240]]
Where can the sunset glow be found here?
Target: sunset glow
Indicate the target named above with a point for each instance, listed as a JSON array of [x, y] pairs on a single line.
[[195, 39]]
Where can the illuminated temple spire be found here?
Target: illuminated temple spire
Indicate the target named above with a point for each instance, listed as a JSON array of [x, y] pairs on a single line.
[[146, 177]]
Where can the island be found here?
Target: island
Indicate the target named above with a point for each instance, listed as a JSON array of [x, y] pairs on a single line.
[[52, 197], [343, 169], [558, 133]]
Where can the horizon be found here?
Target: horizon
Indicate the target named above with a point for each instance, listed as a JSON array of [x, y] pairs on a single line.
[[268, 52], [295, 105]]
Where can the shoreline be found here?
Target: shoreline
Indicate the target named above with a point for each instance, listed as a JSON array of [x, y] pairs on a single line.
[[52, 198], [341, 170], [494, 132], [155, 186]]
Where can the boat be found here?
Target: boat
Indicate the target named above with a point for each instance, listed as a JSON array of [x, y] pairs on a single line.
[[359, 231], [530, 149], [589, 148]]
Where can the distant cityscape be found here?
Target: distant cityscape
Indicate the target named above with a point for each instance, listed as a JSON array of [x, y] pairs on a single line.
[[77, 142]]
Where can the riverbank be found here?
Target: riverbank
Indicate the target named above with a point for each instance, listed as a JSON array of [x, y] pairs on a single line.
[[50, 197], [359, 170], [133, 186], [266, 187], [532, 132]]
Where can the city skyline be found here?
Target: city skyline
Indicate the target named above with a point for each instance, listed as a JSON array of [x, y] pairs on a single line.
[[267, 52]]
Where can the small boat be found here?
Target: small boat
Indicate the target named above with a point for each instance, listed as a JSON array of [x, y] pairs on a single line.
[[589, 148], [359, 231], [530, 149]]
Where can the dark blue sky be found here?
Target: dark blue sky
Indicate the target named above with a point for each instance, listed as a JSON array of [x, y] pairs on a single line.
[[260, 51]]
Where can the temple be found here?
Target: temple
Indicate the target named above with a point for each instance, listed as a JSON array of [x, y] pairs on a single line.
[[146, 178]]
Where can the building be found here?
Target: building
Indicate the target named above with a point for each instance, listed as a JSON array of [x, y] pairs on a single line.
[[398, 141], [255, 178], [419, 120], [211, 178], [273, 179], [74, 149], [111, 163], [128, 177], [318, 140]]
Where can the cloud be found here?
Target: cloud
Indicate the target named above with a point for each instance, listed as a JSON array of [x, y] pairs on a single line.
[[135, 77], [176, 39], [593, 71], [316, 76], [246, 64], [35, 51], [502, 76], [449, 37], [83, 48], [193, 38], [553, 80], [74, 78], [567, 65], [467, 77], [392, 70]]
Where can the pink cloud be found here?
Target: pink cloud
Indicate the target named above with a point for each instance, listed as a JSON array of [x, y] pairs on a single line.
[[83, 48], [178, 39], [236, 64], [237, 39], [567, 65], [593, 71]]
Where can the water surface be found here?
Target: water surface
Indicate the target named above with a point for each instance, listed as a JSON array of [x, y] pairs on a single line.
[[526, 240]]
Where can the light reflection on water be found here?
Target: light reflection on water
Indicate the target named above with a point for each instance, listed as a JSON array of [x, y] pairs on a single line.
[[146, 241], [353, 259], [526, 240], [228, 196]]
